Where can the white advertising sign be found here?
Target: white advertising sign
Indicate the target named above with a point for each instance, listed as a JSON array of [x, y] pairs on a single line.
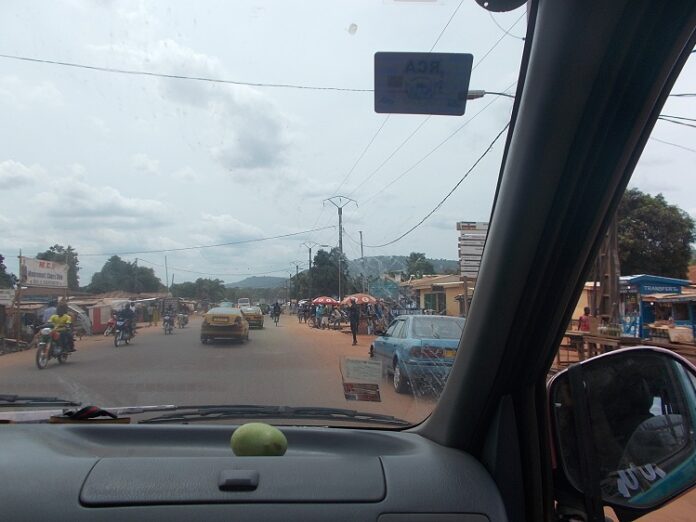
[[7, 296], [471, 251], [472, 225], [36, 272]]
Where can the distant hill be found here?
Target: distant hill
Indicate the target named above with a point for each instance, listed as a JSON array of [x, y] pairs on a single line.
[[259, 282], [377, 265]]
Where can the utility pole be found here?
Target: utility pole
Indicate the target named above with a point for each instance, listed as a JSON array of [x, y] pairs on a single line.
[[18, 302], [309, 245], [135, 277], [362, 260], [339, 202], [166, 274]]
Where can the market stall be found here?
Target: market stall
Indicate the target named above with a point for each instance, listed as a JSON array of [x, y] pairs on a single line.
[[637, 305]]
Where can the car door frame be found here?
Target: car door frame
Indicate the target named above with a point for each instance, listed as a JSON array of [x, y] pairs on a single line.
[[593, 80]]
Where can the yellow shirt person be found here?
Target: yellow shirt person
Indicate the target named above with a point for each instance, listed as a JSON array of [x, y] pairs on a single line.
[[61, 322]]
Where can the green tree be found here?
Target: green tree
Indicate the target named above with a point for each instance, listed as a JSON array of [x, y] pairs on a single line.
[[117, 274], [417, 265], [69, 256], [654, 237], [324, 274], [7, 280]]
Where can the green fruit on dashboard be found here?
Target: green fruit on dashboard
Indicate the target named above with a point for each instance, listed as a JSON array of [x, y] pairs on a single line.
[[258, 439]]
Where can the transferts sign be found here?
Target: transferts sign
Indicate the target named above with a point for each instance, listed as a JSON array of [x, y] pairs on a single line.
[[46, 274], [422, 83]]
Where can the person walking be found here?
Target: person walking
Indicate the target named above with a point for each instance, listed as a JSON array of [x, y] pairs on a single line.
[[354, 317], [325, 317], [155, 315], [318, 313]]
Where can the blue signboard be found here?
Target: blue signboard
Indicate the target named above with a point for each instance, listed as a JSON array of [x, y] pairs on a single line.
[[656, 288], [422, 83]]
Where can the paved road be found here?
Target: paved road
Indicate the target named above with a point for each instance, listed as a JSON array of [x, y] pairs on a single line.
[[290, 364]]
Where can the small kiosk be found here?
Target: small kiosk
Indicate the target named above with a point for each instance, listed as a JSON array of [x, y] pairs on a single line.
[[639, 301]]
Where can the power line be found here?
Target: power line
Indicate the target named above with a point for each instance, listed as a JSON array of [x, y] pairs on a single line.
[[428, 117], [397, 149], [676, 122], [673, 144], [199, 247], [179, 269], [414, 227], [497, 42], [507, 32], [247, 274], [431, 152], [446, 25], [181, 76], [677, 117], [684, 95], [362, 154]]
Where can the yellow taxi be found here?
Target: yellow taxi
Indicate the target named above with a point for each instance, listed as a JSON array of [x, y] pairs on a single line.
[[253, 315], [224, 322]]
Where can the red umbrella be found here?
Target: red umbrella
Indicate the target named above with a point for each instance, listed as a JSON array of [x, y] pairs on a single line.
[[359, 298], [324, 299]]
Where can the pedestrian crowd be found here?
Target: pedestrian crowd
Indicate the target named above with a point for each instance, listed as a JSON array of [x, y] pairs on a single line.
[[376, 316]]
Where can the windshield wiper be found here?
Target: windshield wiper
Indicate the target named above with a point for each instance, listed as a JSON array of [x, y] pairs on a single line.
[[14, 401], [219, 412]]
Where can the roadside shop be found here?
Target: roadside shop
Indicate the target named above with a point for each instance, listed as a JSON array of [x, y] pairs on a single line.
[[642, 303]]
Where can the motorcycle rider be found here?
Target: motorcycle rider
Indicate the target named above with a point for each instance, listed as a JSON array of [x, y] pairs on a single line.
[[169, 316], [276, 309], [49, 312], [128, 315], [62, 323]]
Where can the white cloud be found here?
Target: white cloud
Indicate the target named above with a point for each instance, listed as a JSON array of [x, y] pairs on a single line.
[[22, 94], [14, 174], [145, 163], [186, 174], [237, 109], [74, 202]]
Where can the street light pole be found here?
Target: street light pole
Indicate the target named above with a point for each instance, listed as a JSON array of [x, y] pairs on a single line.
[[339, 202]]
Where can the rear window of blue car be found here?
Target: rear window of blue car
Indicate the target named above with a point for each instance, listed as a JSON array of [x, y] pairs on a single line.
[[437, 328]]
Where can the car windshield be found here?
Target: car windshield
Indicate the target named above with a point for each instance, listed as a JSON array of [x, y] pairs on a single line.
[[437, 328], [334, 161]]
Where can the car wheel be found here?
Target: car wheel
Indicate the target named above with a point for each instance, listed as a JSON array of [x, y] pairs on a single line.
[[204, 340], [400, 379]]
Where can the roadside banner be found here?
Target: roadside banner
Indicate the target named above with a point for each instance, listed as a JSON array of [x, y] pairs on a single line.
[[361, 378], [46, 274], [7, 296]]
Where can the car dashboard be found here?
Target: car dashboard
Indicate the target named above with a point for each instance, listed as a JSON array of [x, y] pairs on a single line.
[[188, 472]]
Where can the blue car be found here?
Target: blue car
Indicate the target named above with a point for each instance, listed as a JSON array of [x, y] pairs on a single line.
[[418, 349]]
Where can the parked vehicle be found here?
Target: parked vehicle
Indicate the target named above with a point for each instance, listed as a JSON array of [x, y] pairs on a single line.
[[418, 350], [49, 347]]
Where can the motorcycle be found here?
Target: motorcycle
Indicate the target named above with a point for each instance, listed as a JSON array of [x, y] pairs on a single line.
[[168, 324], [49, 347], [110, 326], [122, 332]]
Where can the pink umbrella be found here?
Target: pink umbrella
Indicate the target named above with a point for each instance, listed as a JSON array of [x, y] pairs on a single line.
[[324, 299]]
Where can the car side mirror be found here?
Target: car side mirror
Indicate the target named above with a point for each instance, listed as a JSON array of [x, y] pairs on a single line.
[[624, 430]]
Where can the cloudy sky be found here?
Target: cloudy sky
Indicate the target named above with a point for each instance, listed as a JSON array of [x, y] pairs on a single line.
[[121, 163]]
